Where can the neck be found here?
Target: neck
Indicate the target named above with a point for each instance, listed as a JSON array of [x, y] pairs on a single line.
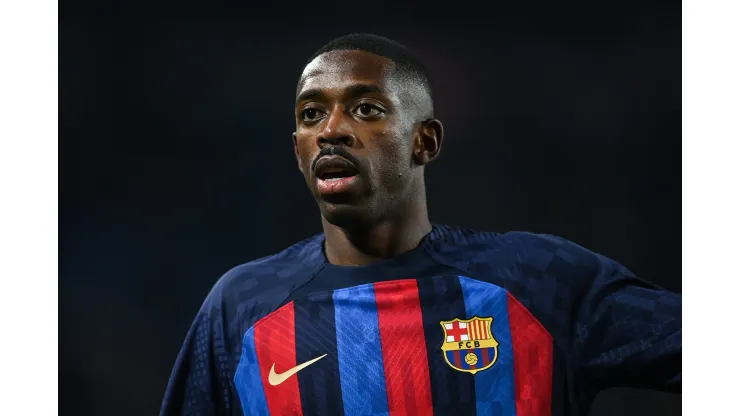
[[381, 240]]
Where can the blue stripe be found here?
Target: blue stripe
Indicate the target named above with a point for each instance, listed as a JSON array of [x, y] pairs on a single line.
[[451, 357], [479, 355], [248, 379], [358, 347], [491, 353], [494, 387]]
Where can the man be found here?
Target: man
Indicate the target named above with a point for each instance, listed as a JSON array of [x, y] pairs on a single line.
[[384, 313]]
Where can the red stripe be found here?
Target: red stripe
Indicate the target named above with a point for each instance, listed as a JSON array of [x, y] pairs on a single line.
[[475, 330], [478, 330], [274, 338], [456, 359], [486, 358], [404, 348], [532, 367]]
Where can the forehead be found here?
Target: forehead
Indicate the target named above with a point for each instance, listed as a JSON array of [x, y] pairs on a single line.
[[337, 70]]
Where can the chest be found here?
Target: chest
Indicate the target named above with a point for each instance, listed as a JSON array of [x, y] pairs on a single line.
[[436, 345]]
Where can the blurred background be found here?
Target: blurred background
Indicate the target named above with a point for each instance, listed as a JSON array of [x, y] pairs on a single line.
[[176, 161]]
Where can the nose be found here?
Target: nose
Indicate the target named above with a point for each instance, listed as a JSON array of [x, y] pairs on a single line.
[[337, 131]]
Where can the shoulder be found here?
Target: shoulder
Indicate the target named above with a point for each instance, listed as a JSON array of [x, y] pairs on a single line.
[[285, 267], [251, 290], [525, 252], [537, 269], [550, 276]]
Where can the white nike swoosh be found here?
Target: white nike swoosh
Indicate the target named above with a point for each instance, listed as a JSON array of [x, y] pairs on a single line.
[[275, 378]]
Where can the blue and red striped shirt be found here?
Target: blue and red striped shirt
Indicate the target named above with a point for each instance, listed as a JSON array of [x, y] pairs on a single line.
[[468, 323]]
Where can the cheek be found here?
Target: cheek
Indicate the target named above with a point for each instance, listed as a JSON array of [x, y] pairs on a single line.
[[304, 149], [394, 154], [397, 145]]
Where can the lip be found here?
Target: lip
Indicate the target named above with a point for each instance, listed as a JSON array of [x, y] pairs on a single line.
[[335, 185], [334, 163]]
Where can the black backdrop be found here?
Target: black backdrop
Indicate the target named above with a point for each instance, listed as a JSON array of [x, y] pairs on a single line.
[[176, 161]]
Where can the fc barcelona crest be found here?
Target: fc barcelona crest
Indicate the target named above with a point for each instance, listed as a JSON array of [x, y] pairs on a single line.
[[469, 344]]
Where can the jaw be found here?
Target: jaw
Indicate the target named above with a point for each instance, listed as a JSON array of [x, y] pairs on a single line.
[[345, 213]]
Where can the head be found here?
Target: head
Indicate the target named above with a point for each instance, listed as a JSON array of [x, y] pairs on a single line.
[[365, 129]]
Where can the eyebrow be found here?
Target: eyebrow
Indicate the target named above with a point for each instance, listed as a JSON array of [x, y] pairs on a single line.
[[354, 90]]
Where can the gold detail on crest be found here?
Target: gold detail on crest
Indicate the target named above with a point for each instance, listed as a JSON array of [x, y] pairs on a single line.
[[466, 335]]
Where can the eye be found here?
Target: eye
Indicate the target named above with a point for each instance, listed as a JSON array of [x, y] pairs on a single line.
[[310, 114], [366, 110]]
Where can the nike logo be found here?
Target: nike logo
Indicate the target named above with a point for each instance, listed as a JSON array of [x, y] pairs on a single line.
[[275, 378]]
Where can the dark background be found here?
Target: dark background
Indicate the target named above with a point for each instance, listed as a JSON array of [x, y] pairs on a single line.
[[176, 161]]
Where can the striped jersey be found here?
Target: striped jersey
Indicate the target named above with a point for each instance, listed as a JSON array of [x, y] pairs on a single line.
[[468, 323]]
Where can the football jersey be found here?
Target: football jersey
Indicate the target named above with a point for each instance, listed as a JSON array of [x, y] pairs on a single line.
[[467, 323]]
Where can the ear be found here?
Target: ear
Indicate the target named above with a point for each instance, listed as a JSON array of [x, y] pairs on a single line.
[[428, 141], [295, 151]]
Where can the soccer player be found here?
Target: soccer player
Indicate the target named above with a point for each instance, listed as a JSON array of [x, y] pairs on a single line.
[[385, 313]]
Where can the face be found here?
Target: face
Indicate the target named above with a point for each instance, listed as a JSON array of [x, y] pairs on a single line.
[[361, 139], [361, 136]]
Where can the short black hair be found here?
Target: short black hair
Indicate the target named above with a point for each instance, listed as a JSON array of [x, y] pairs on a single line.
[[407, 63]]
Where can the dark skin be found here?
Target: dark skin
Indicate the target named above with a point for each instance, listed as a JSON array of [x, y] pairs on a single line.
[[361, 103]]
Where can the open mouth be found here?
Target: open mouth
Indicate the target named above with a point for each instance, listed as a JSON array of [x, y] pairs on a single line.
[[335, 174], [334, 168]]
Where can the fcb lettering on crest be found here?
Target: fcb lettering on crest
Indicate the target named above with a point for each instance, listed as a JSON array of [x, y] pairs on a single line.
[[469, 345]]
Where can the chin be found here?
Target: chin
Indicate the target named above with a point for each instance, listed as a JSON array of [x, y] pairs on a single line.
[[345, 215]]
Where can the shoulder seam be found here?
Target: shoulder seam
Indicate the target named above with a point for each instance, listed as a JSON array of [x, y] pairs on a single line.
[[311, 277]]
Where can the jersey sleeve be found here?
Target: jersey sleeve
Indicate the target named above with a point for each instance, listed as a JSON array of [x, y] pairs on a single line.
[[627, 332], [200, 380]]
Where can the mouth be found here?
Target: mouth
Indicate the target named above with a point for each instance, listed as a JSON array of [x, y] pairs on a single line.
[[335, 174]]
